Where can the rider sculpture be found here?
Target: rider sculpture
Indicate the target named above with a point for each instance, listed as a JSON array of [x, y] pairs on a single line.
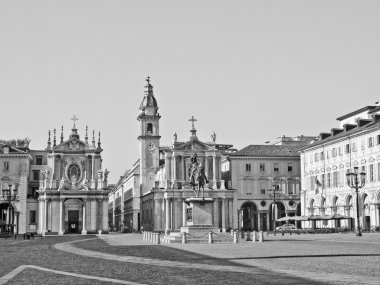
[[197, 174]]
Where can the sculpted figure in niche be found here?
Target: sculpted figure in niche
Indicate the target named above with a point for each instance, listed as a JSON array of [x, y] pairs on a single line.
[[61, 184], [100, 174], [84, 184]]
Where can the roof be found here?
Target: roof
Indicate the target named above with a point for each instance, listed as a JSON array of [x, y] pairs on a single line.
[[344, 134], [356, 112], [268, 150]]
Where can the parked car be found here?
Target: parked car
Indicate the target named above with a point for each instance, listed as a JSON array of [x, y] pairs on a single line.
[[286, 227]]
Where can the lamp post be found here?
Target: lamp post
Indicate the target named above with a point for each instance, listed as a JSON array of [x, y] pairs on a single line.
[[274, 194], [353, 182], [9, 197]]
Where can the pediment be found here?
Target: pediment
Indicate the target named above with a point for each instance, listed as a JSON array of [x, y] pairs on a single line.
[[194, 146], [73, 145]]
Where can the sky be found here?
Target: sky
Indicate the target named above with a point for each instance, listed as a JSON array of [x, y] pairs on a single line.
[[251, 71]]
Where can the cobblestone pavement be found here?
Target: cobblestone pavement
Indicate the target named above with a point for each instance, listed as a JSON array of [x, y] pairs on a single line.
[[336, 258], [309, 259], [73, 268]]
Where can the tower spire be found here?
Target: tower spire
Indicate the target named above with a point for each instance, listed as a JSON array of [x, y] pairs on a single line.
[[86, 137], [54, 140], [49, 142], [99, 140], [93, 138], [62, 134]]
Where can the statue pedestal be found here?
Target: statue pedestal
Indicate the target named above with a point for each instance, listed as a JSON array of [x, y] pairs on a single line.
[[199, 217]]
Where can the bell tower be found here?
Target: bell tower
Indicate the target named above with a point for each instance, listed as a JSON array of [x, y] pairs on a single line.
[[149, 139]]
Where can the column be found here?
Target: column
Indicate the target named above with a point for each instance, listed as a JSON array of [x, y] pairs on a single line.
[[259, 221], [105, 215], [84, 232], [167, 166], [40, 216], [206, 167], [216, 213], [167, 215], [94, 212], [113, 210], [93, 172], [45, 216], [177, 213], [184, 213], [174, 158], [230, 213], [183, 178], [214, 186], [224, 215], [268, 222], [158, 219], [60, 231]]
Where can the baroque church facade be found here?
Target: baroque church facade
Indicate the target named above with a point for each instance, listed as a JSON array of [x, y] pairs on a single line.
[[61, 189], [152, 195]]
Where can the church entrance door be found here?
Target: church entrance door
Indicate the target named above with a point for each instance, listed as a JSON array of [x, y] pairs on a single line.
[[73, 222]]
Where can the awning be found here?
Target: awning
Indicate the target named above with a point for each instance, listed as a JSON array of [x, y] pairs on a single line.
[[293, 218]]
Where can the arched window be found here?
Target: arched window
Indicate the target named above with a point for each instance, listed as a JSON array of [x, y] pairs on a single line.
[[73, 170], [149, 128]]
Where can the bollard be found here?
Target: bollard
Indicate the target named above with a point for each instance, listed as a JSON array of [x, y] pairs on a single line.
[[254, 239], [235, 237], [149, 236], [248, 236], [242, 234], [154, 237], [261, 236], [143, 234], [210, 239], [158, 238], [183, 238]]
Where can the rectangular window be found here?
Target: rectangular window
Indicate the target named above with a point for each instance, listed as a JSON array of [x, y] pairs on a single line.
[[32, 217], [312, 182], [334, 152], [347, 148], [370, 141], [276, 168], [6, 166], [340, 150], [316, 157], [323, 180], [328, 180], [335, 179], [290, 167], [38, 160], [248, 167], [366, 174], [262, 188], [378, 139], [322, 155], [353, 147], [371, 176], [36, 175], [262, 167], [327, 154]]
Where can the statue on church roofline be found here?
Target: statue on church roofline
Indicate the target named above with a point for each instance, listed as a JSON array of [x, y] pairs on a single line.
[[213, 136]]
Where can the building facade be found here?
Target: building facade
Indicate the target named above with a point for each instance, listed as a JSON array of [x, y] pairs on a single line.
[[61, 189], [257, 169], [325, 162], [156, 187]]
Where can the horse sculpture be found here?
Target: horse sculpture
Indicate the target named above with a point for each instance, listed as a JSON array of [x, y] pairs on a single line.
[[198, 179]]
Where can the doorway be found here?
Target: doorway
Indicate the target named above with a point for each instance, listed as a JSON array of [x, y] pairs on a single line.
[[73, 222]]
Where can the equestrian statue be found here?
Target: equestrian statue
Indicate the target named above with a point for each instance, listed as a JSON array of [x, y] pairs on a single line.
[[197, 175]]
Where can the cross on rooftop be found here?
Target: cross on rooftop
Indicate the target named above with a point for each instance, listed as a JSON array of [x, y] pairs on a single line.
[[148, 79], [192, 120], [74, 119]]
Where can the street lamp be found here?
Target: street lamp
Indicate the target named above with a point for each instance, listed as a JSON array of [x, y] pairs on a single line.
[[353, 182], [274, 194], [9, 197]]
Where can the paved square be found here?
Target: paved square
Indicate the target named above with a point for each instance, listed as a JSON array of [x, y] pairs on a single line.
[[126, 259]]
